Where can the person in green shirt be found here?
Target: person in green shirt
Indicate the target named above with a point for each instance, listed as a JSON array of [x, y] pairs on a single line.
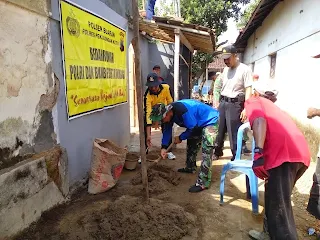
[[211, 92], [217, 90]]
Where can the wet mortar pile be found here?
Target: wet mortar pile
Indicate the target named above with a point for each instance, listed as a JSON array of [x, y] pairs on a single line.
[[125, 217], [128, 218], [160, 178]]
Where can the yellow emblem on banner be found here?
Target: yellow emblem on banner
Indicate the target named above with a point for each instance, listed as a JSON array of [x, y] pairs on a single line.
[[94, 61]]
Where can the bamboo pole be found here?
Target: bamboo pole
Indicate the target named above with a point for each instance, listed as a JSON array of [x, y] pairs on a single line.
[[136, 47]]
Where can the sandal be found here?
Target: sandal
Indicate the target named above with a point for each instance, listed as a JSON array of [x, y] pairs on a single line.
[[197, 188], [187, 170]]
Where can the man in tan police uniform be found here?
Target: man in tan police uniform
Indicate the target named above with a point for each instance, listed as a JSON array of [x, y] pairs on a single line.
[[236, 88]]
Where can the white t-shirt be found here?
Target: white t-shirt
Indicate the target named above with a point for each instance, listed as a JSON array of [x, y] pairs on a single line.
[[236, 80]]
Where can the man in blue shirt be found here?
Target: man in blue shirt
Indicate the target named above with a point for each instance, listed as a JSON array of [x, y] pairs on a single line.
[[201, 123]]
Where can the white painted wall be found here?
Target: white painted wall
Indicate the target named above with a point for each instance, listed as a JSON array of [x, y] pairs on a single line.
[[24, 56], [291, 30]]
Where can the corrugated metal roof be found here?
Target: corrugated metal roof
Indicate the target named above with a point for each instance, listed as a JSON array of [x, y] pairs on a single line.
[[259, 15], [201, 38]]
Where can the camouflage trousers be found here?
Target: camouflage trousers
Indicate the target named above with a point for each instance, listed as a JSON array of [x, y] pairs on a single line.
[[207, 140]]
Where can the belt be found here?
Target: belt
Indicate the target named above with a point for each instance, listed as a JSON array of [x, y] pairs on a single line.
[[233, 100]]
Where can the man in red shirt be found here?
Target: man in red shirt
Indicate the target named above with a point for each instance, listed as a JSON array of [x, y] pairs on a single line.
[[281, 156]]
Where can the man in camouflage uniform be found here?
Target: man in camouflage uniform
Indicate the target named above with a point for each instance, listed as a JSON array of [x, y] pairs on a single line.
[[201, 123], [215, 89], [213, 77]]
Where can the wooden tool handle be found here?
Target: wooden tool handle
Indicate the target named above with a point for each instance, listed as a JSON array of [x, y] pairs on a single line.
[[168, 149], [170, 146]]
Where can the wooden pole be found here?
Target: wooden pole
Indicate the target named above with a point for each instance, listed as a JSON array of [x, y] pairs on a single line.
[[176, 64], [136, 47], [179, 8], [176, 70], [190, 74]]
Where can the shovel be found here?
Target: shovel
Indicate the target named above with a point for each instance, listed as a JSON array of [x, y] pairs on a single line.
[[156, 161]]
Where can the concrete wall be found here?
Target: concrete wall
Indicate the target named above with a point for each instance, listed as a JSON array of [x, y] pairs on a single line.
[[33, 111], [291, 31], [184, 72], [77, 135], [162, 54], [28, 95], [27, 86], [30, 188], [122, 7], [32, 89], [146, 67]]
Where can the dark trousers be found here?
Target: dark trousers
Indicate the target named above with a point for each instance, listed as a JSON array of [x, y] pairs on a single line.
[[278, 209], [229, 121], [314, 199]]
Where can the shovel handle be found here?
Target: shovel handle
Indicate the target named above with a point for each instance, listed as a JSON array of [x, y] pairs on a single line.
[[170, 146], [168, 149]]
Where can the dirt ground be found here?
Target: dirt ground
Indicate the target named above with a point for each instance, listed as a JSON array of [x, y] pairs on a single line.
[[173, 212]]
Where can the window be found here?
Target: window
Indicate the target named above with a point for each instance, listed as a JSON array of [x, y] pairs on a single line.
[[273, 58]]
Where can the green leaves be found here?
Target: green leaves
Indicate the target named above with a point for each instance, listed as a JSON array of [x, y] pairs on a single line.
[[213, 14], [167, 8], [140, 4], [246, 15]]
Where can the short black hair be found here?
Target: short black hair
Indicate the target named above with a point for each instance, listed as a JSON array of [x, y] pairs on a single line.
[[211, 74], [156, 67]]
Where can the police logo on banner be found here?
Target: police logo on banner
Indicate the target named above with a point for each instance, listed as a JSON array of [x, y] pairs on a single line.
[[73, 25]]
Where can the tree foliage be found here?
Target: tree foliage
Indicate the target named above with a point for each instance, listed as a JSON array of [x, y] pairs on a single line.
[[246, 15], [213, 14], [166, 9], [140, 4]]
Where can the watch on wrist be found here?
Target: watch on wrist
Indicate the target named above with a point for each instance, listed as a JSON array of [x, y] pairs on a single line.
[[258, 150]]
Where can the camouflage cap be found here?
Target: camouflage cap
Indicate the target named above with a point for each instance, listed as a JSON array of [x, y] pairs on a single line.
[[159, 111]]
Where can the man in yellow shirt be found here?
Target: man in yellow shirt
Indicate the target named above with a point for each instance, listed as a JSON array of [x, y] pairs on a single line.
[[156, 93]]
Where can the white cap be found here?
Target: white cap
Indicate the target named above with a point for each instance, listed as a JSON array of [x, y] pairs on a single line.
[[265, 89]]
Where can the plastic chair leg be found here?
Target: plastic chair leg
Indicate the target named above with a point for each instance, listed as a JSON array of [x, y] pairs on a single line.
[[223, 176], [239, 143], [254, 192]]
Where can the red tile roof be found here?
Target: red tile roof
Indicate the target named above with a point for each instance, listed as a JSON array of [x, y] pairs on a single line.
[[218, 63]]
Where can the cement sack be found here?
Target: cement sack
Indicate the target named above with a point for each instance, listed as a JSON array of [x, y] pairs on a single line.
[[106, 165]]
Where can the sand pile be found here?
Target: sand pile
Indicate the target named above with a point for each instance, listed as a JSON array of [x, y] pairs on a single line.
[[160, 178], [128, 218]]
